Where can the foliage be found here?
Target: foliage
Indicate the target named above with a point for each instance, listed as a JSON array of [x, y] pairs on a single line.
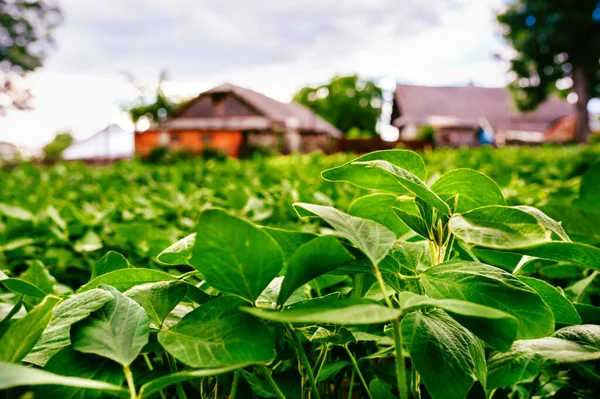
[[426, 133], [347, 102], [53, 150], [26, 27], [379, 278], [554, 51]]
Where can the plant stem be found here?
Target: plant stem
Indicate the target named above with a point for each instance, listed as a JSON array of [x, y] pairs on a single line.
[[148, 362], [304, 360], [321, 361], [130, 384], [173, 369], [587, 283], [351, 383], [234, 385], [272, 382], [360, 376], [400, 368]]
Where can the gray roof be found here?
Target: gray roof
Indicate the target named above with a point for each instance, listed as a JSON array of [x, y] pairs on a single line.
[[468, 105]]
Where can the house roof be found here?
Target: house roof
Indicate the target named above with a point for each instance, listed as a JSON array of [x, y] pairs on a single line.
[[468, 105], [265, 113], [110, 143]]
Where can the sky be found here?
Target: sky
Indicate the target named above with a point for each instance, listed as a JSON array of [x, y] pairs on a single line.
[[271, 46]]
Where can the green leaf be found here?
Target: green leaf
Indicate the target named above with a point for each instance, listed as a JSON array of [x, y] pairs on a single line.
[[373, 239], [109, 263], [13, 375], [235, 256], [311, 260], [124, 279], [57, 334], [118, 331], [178, 253], [546, 222], [569, 252], [70, 363], [22, 287], [289, 240], [444, 353], [563, 310], [474, 189], [523, 362], [217, 334], [330, 370], [90, 242], [8, 311], [411, 183], [38, 275], [162, 382], [15, 212], [496, 328], [336, 311], [378, 207], [492, 287], [498, 227], [589, 191], [376, 178], [380, 390], [21, 335], [158, 299], [414, 222]]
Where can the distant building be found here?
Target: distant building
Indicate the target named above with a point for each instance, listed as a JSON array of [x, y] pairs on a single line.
[[235, 120], [9, 152], [109, 144], [470, 115]]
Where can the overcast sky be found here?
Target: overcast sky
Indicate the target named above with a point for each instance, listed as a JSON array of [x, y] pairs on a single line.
[[272, 46]]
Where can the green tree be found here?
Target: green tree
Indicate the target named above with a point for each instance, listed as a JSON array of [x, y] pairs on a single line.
[[347, 102], [53, 150], [557, 48], [25, 28]]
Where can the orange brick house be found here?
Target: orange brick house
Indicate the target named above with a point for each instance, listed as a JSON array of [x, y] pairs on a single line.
[[235, 120]]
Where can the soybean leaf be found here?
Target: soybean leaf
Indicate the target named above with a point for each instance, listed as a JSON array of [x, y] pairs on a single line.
[[8, 311], [109, 263], [124, 279], [337, 311], [90, 242], [569, 252], [524, 360], [217, 334], [57, 334], [16, 212], [546, 221], [380, 390], [474, 189], [13, 375], [495, 327], [22, 287], [21, 335], [162, 382], [372, 238], [268, 298], [378, 207], [331, 370], [178, 253], [492, 287], [563, 310], [589, 191], [289, 240], [70, 363], [415, 222], [158, 299], [498, 227], [444, 353], [38, 275], [118, 330], [589, 314], [376, 178], [311, 260], [235, 256], [410, 182]]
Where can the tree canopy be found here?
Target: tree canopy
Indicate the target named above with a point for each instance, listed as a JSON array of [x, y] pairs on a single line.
[[53, 150], [25, 33], [347, 102], [557, 50]]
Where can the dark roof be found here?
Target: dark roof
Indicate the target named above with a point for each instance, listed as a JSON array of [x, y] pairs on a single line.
[[262, 113], [469, 105]]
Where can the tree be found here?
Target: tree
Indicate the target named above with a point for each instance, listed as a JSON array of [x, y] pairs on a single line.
[[53, 150], [347, 102], [557, 48], [25, 34]]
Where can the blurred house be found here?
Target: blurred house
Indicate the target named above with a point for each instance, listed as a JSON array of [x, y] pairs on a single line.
[[9, 152], [235, 121], [470, 115], [109, 144]]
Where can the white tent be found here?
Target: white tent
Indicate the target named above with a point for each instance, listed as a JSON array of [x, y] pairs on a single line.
[[110, 143]]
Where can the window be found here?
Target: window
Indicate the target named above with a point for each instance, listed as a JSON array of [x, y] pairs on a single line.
[[175, 138]]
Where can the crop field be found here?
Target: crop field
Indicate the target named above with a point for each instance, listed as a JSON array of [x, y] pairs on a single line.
[[446, 274]]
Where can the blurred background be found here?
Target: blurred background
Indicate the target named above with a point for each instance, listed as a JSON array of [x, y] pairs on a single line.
[[84, 76]]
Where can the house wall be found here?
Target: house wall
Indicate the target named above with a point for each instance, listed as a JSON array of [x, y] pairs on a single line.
[[456, 137], [227, 141]]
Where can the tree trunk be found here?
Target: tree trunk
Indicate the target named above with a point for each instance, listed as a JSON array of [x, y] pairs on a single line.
[[580, 85]]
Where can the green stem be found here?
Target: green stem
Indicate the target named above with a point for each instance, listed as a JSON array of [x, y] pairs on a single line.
[[360, 376], [351, 383], [321, 361], [130, 384], [304, 360], [148, 362], [234, 385], [589, 279], [173, 369], [272, 382]]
